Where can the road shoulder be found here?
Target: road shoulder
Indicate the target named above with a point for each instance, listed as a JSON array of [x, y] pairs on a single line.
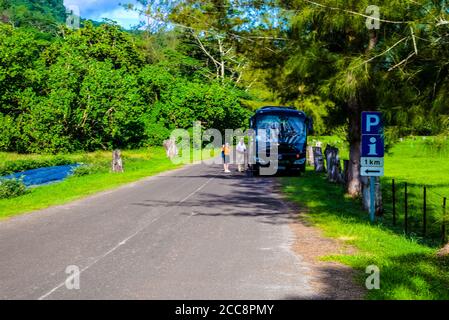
[[330, 280]]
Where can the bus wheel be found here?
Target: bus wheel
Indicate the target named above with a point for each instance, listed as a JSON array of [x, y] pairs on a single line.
[[255, 170]]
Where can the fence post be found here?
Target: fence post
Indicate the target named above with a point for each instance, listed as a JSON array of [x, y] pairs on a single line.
[[310, 154], [424, 222], [318, 158], [379, 199], [406, 210], [393, 187], [443, 227]]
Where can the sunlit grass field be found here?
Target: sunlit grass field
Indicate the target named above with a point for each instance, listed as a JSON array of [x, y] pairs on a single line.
[[410, 268], [418, 162]]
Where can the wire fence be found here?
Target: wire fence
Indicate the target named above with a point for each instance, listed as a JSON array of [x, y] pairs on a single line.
[[417, 210]]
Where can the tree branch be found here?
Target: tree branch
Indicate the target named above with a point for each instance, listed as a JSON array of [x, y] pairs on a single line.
[[356, 13], [402, 62]]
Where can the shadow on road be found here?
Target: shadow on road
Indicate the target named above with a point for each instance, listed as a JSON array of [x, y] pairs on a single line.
[[234, 195]]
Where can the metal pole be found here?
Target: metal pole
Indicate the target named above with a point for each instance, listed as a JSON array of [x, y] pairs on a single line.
[[424, 222], [443, 228], [394, 202], [372, 199], [406, 210]]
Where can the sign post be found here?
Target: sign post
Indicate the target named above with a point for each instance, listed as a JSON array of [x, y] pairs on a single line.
[[373, 152]]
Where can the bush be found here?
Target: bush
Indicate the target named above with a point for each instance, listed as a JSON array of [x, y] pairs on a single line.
[[392, 136], [85, 170], [11, 188], [156, 134], [437, 144]]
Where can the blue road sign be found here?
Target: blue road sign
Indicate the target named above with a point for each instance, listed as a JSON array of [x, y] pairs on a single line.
[[372, 123], [373, 146]]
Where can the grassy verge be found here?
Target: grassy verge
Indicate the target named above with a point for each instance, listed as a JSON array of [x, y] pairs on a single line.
[[419, 162], [138, 164], [409, 270], [409, 266]]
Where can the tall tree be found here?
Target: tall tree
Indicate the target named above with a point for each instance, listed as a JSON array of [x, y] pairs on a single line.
[[221, 29], [341, 52]]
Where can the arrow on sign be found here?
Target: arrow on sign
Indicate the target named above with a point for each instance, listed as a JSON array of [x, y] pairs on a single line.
[[372, 172]]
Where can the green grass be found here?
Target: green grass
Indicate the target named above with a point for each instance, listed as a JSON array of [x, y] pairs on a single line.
[[408, 270], [409, 267], [138, 165], [419, 163]]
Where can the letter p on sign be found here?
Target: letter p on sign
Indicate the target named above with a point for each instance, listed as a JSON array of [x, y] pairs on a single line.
[[372, 123]]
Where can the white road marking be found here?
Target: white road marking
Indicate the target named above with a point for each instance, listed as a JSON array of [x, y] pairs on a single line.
[[124, 241]]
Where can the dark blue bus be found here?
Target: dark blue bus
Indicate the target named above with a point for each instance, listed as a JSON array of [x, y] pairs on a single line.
[[285, 127]]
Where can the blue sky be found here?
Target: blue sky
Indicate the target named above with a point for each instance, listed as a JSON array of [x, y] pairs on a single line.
[[111, 9]]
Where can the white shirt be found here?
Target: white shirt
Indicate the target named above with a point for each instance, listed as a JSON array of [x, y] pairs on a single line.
[[241, 147]]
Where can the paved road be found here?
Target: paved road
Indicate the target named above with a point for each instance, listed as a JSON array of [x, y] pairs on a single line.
[[194, 233]]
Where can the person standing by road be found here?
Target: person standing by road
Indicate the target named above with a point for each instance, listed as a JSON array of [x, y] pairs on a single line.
[[241, 149], [226, 154]]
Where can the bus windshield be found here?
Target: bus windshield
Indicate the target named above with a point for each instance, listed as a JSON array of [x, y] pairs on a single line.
[[282, 126]]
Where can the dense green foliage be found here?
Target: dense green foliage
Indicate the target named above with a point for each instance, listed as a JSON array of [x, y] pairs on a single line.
[[334, 67], [98, 88], [44, 15], [102, 87]]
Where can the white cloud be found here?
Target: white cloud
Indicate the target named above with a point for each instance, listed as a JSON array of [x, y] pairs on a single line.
[[123, 17], [110, 9]]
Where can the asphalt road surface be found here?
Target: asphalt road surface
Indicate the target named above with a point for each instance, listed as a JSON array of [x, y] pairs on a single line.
[[193, 233]]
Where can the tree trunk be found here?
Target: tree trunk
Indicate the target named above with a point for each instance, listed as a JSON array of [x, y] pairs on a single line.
[[355, 108], [222, 62], [354, 138], [373, 39]]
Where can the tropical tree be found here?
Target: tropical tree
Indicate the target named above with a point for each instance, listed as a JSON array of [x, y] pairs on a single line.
[[341, 51]]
